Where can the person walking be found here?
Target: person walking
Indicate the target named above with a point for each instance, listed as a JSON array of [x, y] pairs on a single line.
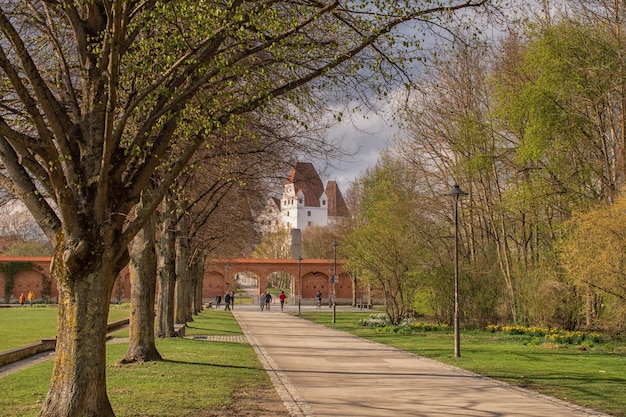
[[268, 300], [31, 298], [262, 301], [282, 298], [318, 297], [227, 301], [22, 299], [232, 300], [218, 301]]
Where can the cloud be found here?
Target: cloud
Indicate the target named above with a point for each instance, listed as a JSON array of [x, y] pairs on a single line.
[[363, 135]]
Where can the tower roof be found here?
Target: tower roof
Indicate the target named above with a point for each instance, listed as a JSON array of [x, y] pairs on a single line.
[[304, 177], [336, 204]]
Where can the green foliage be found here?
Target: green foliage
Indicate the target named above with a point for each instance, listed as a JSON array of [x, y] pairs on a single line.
[[550, 335], [10, 271], [385, 244], [593, 255], [554, 98], [317, 242], [28, 249], [274, 245]]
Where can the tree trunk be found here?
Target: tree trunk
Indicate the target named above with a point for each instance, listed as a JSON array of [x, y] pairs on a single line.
[[182, 313], [78, 384], [198, 278], [166, 271], [142, 268], [355, 284]]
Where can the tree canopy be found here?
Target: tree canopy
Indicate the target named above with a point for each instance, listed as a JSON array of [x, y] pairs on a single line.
[[98, 95]]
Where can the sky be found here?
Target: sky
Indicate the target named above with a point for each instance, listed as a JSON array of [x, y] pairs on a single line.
[[365, 136]]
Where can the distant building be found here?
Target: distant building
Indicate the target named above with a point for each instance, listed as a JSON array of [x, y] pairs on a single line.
[[304, 201]]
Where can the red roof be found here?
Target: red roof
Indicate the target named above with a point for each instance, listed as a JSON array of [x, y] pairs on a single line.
[[336, 204], [304, 177]]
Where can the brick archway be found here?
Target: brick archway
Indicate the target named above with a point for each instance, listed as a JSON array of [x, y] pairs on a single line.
[[315, 275]]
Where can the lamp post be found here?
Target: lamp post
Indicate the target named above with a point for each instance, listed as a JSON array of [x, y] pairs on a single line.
[[226, 268], [334, 245], [299, 282], [456, 193]]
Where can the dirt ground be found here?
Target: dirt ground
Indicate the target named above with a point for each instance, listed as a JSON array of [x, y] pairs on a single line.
[[258, 402]]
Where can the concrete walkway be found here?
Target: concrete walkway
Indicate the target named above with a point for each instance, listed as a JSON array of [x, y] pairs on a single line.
[[323, 372]]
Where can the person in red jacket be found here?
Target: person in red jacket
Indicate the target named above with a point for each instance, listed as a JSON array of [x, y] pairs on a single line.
[[282, 298]]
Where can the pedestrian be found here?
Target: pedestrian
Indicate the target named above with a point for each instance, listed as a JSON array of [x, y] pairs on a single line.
[[31, 297], [318, 297], [227, 301], [218, 301], [232, 300], [22, 299], [268, 300], [262, 301], [282, 297]]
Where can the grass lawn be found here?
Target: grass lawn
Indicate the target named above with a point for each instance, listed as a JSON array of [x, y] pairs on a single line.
[[21, 326], [196, 378], [595, 378], [200, 378]]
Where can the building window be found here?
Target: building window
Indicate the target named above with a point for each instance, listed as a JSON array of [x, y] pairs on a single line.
[[299, 201], [308, 213], [309, 224], [323, 202], [287, 214]]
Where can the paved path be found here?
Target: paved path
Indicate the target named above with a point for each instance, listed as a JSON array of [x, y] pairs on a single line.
[[327, 373]]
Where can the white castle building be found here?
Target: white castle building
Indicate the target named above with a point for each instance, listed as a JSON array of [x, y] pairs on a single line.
[[305, 202]]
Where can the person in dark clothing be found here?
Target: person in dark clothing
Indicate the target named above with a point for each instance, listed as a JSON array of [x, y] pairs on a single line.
[[218, 301], [227, 301], [268, 300]]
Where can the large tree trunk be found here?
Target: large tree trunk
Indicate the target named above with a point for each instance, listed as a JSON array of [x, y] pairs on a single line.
[[78, 384], [166, 271], [142, 268]]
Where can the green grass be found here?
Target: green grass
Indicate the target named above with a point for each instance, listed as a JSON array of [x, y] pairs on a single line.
[[595, 378], [21, 326], [195, 375]]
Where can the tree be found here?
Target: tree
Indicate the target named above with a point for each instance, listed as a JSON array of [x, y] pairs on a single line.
[[317, 240], [385, 244], [98, 95], [28, 249], [593, 256], [274, 245], [142, 268], [16, 221]]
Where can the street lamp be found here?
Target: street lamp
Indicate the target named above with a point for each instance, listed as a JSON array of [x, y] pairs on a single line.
[[299, 282], [456, 193], [334, 245]]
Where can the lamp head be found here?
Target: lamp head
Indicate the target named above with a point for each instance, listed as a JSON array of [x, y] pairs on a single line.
[[456, 192]]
